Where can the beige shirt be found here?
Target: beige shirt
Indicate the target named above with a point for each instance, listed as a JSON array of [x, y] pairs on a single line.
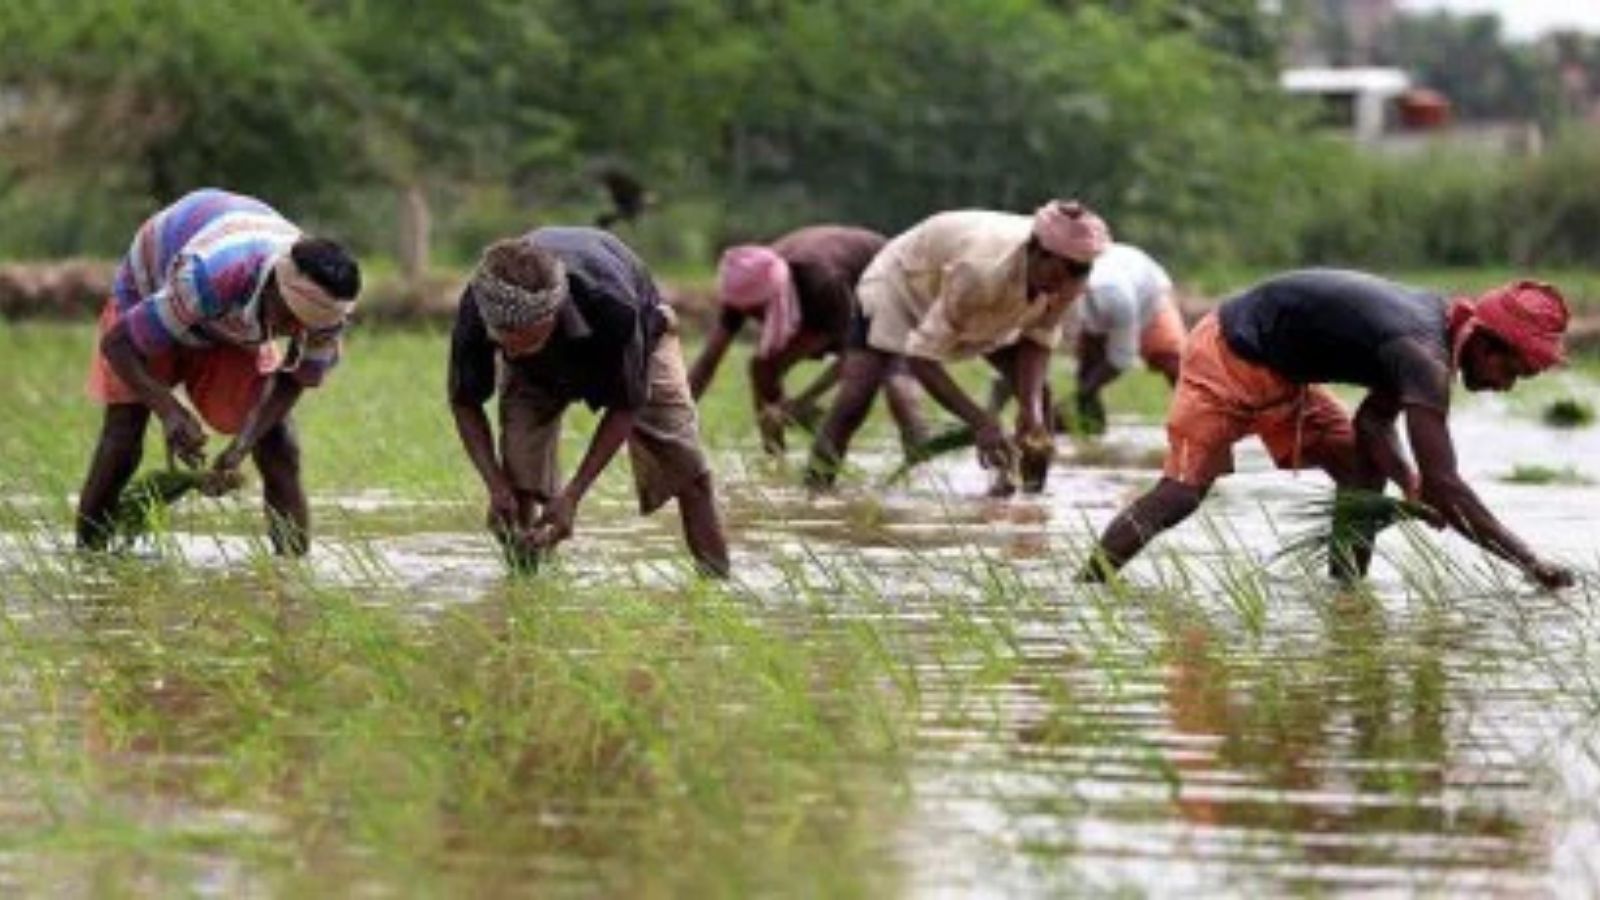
[[955, 286]]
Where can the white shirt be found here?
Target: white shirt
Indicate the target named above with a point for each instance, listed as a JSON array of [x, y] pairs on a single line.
[[1126, 289]]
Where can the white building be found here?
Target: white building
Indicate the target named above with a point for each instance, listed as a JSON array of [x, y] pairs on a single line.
[[1359, 101]]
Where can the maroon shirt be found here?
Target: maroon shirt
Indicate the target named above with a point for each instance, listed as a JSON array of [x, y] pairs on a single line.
[[825, 262]]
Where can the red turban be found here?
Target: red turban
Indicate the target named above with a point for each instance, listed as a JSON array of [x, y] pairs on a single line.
[[1530, 316]]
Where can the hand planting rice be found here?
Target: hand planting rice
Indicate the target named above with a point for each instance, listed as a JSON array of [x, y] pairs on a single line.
[[1347, 522], [144, 503]]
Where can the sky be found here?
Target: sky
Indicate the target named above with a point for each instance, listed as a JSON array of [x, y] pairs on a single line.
[[1523, 19]]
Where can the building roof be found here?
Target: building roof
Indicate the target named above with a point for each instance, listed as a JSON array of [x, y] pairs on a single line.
[[1371, 80]]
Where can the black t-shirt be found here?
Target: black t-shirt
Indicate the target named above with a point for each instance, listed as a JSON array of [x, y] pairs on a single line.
[[825, 262], [1330, 325], [600, 350]]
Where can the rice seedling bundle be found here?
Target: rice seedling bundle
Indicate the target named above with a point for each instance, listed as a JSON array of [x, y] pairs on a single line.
[[1345, 520], [145, 501], [958, 437], [1569, 412]]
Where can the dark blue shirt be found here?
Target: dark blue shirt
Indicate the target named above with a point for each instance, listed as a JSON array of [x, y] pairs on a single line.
[[1336, 326], [600, 350]]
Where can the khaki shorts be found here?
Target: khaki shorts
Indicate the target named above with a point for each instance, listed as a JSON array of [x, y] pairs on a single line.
[[1223, 398], [664, 447]]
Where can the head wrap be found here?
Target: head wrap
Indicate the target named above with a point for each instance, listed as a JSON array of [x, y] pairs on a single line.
[[507, 306], [310, 302], [754, 279], [1070, 229], [1529, 316]]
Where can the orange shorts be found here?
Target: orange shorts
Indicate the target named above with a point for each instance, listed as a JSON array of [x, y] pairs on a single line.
[[1164, 336], [1222, 398], [223, 382]]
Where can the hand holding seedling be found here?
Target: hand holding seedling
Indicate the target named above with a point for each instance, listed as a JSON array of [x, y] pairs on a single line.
[[771, 422], [555, 522], [1551, 576], [219, 481], [995, 449], [186, 439], [1037, 451], [502, 507], [229, 460]]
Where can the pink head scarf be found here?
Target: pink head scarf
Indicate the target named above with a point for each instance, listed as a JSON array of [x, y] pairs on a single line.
[[1070, 229], [753, 279], [1530, 316]]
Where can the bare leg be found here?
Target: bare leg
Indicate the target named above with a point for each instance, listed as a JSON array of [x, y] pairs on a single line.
[[702, 527], [1349, 554], [1162, 507], [1000, 394], [1034, 465], [277, 457], [116, 458], [859, 378], [905, 405]]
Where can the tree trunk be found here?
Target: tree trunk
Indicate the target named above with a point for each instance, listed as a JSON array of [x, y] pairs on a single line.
[[415, 222]]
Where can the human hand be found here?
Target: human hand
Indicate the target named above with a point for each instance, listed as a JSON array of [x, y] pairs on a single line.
[[186, 439], [1037, 451], [555, 522], [224, 476], [1551, 576], [995, 449], [771, 421], [230, 459], [1427, 515], [503, 508]]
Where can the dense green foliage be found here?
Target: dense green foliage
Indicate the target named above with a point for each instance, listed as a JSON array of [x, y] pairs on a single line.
[[742, 118], [775, 112]]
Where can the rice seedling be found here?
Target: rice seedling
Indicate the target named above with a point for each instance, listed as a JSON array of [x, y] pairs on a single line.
[[142, 508], [1568, 412], [1533, 473], [887, 699], [1345, 523], [951, 439]]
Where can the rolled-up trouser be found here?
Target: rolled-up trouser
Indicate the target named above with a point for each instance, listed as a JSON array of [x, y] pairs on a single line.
[[1223, 398], [664, 447]]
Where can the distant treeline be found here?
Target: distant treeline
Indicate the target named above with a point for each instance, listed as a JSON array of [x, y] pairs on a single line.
[[445, 123]]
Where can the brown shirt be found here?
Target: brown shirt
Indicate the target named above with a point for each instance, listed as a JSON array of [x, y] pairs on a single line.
[[825, 262]]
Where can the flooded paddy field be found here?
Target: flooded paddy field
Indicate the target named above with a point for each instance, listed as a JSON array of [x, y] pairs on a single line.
[[901, 692]]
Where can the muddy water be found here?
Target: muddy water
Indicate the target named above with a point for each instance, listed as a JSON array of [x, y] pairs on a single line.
[[1230, 725]]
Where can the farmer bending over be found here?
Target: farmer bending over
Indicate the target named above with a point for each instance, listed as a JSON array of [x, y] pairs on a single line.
[[207, 286], [573, 315], [1256, 366], [1127, 312], [802, 290], [959, 285]]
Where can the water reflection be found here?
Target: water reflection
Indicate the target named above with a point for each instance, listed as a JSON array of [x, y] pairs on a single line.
[[1223, 730]]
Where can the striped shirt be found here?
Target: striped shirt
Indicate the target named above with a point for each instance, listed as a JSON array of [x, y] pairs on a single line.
[[194, 275]]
